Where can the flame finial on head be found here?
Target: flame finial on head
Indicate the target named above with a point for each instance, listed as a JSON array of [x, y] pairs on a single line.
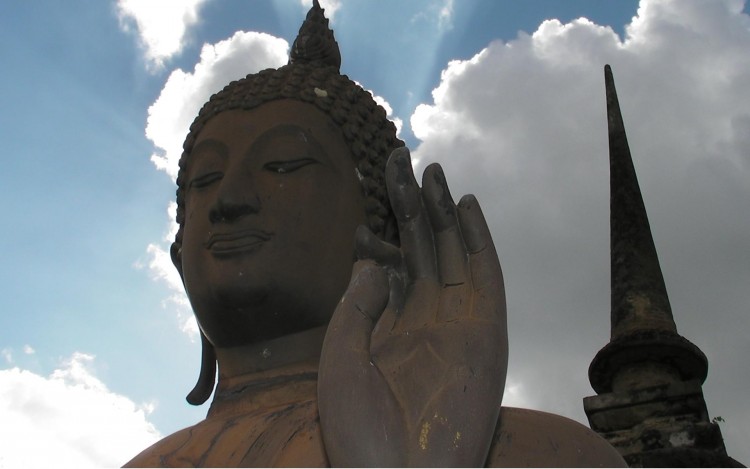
[[315, 43]]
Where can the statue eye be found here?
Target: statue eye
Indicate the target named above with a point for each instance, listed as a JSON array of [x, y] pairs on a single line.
[[205, 179], [282, 167]]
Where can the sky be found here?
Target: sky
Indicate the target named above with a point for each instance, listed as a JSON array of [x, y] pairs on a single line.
[[98, 346]]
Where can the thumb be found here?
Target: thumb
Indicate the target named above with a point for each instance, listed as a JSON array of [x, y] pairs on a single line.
[[358, 311], [369, 246]]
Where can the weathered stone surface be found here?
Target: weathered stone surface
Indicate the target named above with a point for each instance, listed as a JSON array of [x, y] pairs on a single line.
[[397, 359], [624, 410], [662, 426], [650, 404]]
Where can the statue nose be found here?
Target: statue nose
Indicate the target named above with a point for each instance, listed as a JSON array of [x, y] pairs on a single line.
[[235, 199]]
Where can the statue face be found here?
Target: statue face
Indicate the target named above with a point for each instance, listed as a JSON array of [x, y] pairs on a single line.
[[271, 206]]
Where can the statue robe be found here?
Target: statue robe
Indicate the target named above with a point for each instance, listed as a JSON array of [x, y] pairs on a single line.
[[270, 419]]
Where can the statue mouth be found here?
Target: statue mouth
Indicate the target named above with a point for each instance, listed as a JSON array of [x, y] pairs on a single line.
[[236, 241]]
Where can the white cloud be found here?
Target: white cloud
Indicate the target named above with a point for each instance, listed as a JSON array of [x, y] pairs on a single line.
[[445, 16], [514, 395], [184, 93], [439, 14], [388, 111], [159, 265], [28, 350], [7, 354], [161, 25], [522, 124], [161, 268], [69, 419]]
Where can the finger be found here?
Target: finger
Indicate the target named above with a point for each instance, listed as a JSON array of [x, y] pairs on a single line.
[[413, 225], [369, 246], [417, 246], [486, 274], [360, 308], [450, 251], [386, 325], [345, 359]]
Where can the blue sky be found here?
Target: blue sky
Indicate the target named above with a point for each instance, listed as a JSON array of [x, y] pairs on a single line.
[[90, 313]]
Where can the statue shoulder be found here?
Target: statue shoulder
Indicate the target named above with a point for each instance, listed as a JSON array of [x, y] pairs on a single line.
[[287, 435], [166, 451], [530, 438]]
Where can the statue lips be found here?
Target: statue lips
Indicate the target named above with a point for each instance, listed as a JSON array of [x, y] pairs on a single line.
[[233, 242]]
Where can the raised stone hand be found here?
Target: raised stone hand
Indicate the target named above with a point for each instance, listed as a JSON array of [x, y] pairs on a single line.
[[413, 366]]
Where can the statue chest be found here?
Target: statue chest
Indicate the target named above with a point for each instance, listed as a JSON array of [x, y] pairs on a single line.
[[287, 436]]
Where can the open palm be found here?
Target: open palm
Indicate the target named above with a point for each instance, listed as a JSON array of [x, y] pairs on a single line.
[[414, 361]]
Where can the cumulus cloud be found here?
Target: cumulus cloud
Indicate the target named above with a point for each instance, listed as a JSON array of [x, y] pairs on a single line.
[[159, 265], [397, 121], [522, 124], [445, 16], [161, 26], [438, 13], [69, 419], [7, 355]]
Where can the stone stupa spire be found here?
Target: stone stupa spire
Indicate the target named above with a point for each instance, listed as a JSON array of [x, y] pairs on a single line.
[[644, 333], [648, 378]]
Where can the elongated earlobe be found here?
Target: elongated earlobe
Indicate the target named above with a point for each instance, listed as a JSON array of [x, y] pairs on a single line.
[[207, 377]]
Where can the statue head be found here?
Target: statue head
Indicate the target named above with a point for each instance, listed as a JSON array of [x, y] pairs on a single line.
[[277, 171]]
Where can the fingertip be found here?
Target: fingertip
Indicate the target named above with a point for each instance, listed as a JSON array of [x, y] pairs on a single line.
[[473, 224], [362, 230], [368, 270], [468, 201], [430, 171], [399, 153], [434, 176], [403, 190], [369, 288], [363, 239], [438, 200], [363, 267], [398, 169], [430, 175]]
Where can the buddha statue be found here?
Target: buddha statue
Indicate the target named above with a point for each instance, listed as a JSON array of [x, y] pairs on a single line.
[[357, 319]]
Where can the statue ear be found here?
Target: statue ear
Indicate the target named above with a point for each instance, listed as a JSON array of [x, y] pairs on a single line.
[[207, 377], [175, 253]]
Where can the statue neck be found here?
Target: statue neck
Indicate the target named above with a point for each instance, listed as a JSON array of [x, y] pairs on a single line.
[[267, 374], [266, 355]]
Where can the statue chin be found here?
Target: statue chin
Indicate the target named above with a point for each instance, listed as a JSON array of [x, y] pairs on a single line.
[[226, 313], [231, 317]]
